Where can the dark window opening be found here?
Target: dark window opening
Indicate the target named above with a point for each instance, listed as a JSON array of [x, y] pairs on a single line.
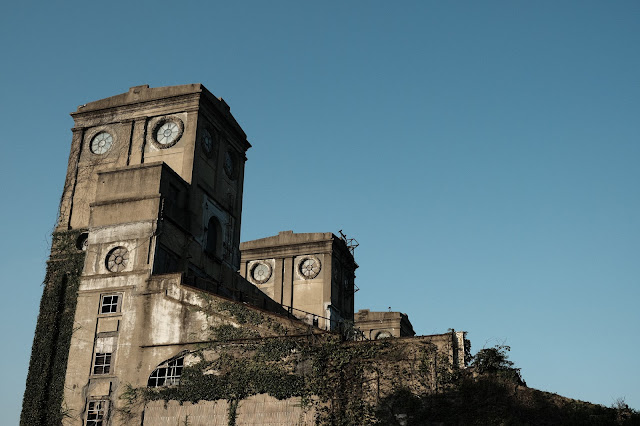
[[174, 194], [214, 237], [96, 413], [102, 364], [110, 304], [173, 201]]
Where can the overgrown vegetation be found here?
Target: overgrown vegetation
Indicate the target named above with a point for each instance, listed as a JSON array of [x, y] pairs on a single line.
[[492, 392], [341, 380], [495, 361], [325, 372], [389, 382], [42, 401], [492, 400]]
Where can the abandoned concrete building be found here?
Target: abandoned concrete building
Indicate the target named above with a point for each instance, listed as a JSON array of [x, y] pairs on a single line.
[[147, 280]]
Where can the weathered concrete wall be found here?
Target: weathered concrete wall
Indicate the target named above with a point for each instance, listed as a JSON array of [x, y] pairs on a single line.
[[258, 410], [158, 319], [214, 170], [326, 294]]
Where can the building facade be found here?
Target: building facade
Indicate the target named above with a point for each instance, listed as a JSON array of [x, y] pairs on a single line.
[[312, 274], [143, 280], [154, 186]]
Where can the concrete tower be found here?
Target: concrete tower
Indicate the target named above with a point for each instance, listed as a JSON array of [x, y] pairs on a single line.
[[154, 186], [312, 274]]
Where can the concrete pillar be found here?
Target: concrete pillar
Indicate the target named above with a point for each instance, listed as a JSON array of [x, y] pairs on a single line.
[[138, 140], [287, 282], [278, 271]]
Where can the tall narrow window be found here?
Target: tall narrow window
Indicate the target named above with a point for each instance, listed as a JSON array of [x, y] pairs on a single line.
[[96, 412], [167, 373], [214, 237]]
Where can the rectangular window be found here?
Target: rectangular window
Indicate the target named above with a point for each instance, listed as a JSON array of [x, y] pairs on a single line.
[[96, 413], [110, 303], [102, 364]]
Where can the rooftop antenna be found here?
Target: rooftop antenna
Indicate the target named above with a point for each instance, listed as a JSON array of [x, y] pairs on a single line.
[[351, 243]]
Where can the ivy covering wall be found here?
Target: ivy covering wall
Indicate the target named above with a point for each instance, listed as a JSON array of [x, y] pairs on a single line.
[[341, 381], [42, 401]]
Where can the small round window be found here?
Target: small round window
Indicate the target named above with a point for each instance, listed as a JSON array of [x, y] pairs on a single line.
[[261, 272], [101, 143], [167, 132], [117, 259], [309, 267], [209, 143]]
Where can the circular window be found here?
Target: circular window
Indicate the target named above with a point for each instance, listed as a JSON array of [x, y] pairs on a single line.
[[167, 132], [261, 272], [117, 259], [207, 143], [101, 143], [310, 267]]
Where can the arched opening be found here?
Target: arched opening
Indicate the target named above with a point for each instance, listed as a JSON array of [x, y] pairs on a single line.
[[83, 241], [168, 373], [383, 335]]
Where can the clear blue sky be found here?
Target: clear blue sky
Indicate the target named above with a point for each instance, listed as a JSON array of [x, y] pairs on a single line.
[[484, 154]]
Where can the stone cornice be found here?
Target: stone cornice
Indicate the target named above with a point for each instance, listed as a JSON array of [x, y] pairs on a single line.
[[287, 250]]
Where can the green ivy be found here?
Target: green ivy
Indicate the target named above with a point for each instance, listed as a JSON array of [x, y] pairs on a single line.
[[331, 375], [323, 371], [42, 401], [328, 373], [241, 313], [227, 332]]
